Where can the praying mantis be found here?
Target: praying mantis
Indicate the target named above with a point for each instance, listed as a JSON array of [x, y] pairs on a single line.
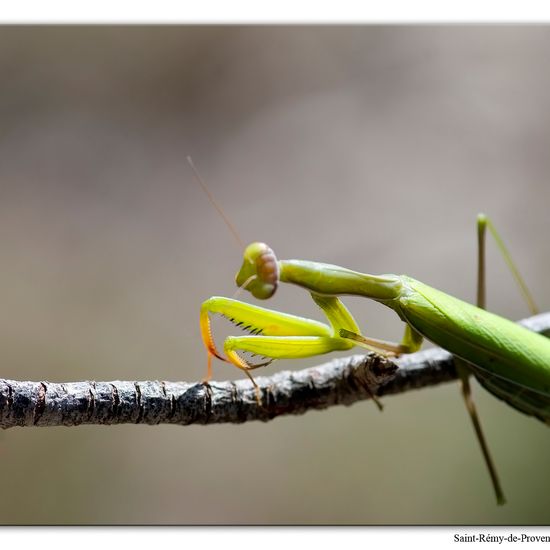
[[510, 361]]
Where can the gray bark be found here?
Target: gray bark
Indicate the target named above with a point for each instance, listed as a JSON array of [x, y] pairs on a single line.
[[342, 381]]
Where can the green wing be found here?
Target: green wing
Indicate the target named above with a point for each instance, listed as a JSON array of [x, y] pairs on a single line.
[[510, 361]]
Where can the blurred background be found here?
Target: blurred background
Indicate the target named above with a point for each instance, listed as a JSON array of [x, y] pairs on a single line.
[[369, 147]]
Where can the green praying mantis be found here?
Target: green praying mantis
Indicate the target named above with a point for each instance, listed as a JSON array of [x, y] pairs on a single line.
[[510, 361]]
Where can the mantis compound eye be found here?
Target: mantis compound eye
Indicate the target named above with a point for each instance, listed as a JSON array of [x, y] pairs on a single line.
[[259, 273]]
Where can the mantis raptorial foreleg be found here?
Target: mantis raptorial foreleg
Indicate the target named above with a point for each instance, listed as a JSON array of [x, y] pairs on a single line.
[[276, 335]]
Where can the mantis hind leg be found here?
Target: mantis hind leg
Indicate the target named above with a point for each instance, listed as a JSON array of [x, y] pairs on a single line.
[[484, 223]]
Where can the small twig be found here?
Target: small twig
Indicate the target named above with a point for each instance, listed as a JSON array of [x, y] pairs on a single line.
[[339, 382]]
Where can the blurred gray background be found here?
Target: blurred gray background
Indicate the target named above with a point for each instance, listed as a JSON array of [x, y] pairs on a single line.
[[369, 147]]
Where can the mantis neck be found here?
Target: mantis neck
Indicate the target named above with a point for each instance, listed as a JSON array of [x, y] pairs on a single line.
[[332, 280]]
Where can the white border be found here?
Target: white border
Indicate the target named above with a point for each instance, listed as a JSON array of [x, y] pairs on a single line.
[[281, 11], [266, 538]]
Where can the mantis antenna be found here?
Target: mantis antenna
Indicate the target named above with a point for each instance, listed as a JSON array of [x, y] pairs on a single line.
[[214, 203], [225, 219]]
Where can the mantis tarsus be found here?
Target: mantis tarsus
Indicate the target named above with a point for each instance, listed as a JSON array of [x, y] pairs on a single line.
[[510, 361]]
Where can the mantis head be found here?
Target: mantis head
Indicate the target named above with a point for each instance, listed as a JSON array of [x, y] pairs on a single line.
[[259, 273]]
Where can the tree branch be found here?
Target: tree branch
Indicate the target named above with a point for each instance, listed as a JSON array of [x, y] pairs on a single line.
[[342, 381]]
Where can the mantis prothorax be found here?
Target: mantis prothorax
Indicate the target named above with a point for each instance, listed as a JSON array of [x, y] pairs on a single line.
[[511, 362]]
